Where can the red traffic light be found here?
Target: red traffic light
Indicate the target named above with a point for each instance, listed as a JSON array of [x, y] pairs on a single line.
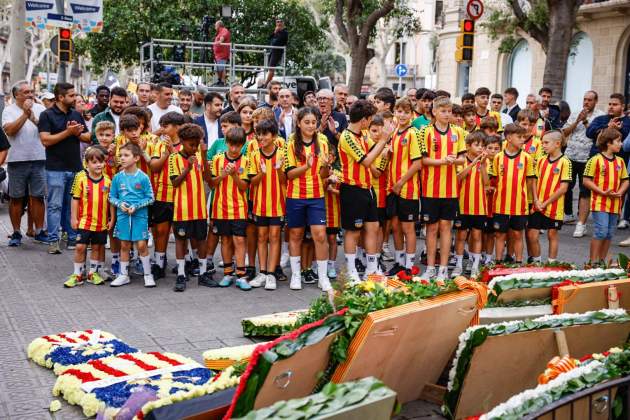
[[469, 25], [65, 33]]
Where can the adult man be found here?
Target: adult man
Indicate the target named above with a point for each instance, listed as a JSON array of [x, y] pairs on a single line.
[[615, 118], [285, 114], [117, 102], [102, 99], [510, 95], [310, 99], [482, 97], [341, 96], [411, 94], [144, 94], [350, 101], [48, 99], [279, 38], [237, 91], [185, 101], [271, 99], [578, 151], [332, 123], [533, 103], [221, 50], [162, 105], [549, 112], [61, 129], [209, 121], [26, 160], [197, 105], [496, 103]]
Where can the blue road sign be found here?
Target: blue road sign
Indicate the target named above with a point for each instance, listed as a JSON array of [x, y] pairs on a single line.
[[401, 70]]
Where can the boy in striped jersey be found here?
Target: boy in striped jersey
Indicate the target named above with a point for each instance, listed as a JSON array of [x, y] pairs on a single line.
[[89, 216], [553, 171]]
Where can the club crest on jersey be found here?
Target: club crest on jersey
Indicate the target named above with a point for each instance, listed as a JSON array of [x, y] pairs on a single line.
[[617, 168], [520, 165], [532, 149], [556, 170], [403, 141], [241, 170], [453, 138], [138, 186]]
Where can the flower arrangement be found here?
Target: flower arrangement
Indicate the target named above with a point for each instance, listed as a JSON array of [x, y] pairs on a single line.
[[475, 336], [491, 271], [219, 359], [272, 325]]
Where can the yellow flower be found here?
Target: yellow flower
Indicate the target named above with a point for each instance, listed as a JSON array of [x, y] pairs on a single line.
[[368, 286], [55, 405]]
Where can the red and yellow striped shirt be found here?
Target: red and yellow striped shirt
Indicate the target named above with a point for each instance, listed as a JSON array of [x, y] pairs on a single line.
[[472, 195], [551, 174], [353, 148], [533, 146], [493, 114], [229, 203], [162, 182], [607, 174], [268, 197], [380, 184], [406, 148], [93, 205], [441, 181], [110, 169], [142, 164], [309, 184], [189, 198], [512, 173], [253, 145], [333, 207]]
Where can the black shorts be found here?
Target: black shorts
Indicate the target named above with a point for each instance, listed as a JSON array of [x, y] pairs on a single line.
[[88, 237], [382, 216], [405, 210], [489, 228], [250, 212], [160, 212], [191, 229], [274, 57], [503, 222], [332, 231], [538, 220], [223, 227], [467, 221], [436, 209], [358, 206], [265, 221]]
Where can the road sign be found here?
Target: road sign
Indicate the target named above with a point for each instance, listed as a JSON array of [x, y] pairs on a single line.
[[474, 8], [60, 21], [401, 70]]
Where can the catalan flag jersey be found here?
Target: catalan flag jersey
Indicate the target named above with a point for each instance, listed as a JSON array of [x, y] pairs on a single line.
[[353, 148], [492, 114], [490, 194], [252, 145], [309, 184], [441, 181], [161, 180], [92, 195], [533, 146], [406, 148], [539, 129], [472, 195], [143, 165], [189, 198], [268, 197], [380, 184], [551, 174], [333, 207], [110, 167], [607, 174], [512, 173], [229, 203]]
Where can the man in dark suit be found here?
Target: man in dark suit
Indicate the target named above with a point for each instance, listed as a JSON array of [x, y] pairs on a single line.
[[209, 120], [511, 107]]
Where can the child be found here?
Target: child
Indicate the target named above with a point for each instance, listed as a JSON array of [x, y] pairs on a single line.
[[89, 216], [489, 126], [607, 178], [229, 207], [333, 220], [554, 175], [187, 169], [532, 145], [161, 214], [470, 118], [268, 186], [472, 179], [514, 170], [443, 147], [482, 97], [104, 132], [457, 117], [131, 195], [492, 148], [404, 187]]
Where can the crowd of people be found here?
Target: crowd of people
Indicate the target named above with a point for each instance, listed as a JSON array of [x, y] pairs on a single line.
[[287, 180]]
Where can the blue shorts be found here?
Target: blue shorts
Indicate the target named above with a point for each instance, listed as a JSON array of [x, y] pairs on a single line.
[[220, 65], [605, 225], [132, 229], [305, 212]]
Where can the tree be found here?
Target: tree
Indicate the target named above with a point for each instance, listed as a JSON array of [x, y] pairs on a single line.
[[549, 22]]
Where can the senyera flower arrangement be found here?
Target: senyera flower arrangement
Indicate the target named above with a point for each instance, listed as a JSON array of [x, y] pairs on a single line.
[[488, 272]]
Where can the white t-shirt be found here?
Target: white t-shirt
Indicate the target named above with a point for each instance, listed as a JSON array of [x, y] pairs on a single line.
[[288, 123], [25, 145], [213, 130], [157, 112], [116, 123]]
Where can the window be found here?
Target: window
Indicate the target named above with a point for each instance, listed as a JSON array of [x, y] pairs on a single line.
[[439, 8], [520, 71], [579, 70], [400, 53]]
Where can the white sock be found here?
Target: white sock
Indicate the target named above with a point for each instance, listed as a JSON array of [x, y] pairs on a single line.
[[93, 266], [146, 264], [350, 262], [296, 267], [160, 259], [77, 268], [551, 260], [475, 258], [400, 257], [181, 270], [443, 271], [372, 264], [194, 254], [409, 260], [331, 264], [322, 275], [285, 247], [430, 269], [124, 265], [459, 261], [203, 265]]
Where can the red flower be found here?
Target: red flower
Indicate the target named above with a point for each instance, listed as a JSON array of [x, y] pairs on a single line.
[[403, 275], [415, 270], [425, 282]]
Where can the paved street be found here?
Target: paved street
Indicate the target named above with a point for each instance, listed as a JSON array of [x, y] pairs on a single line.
[[34, 303]]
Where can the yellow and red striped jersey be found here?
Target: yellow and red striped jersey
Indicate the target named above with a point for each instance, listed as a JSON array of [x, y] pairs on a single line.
[[512, 173], [490, 193], [333, 207], [142, 164], [309, 184], [189, 198], [607, 174], [353, 148], [441, 181], [551, 174], [406, 148], [268, 197], [533, 146], [229, 203], [472, 194], [493, 114], [92, 195], [380, 184], [163, 188]]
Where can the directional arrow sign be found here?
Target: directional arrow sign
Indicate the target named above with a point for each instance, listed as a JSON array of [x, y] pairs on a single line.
[[401, 70]]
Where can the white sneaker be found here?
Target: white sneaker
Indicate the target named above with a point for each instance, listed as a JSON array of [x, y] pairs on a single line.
[[270, 284], [324, 284], [625, 242], [474, 273], [354, 276], [623, 224], [457, 271], [386, 254], [259, 280], [442, 274], [429, 274], [296, 281], [149, 281], [121, 280], [150, 241], [284, 260], [580, 230]]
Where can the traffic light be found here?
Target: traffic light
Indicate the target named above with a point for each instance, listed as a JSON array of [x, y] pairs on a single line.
[[64, 46], [465, 41]]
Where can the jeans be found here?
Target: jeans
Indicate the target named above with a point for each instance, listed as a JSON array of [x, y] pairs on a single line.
[[59, 204], [605, 225]]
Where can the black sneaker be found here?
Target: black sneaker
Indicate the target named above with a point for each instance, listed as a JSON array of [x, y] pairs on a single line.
[[210, 269], [16, 239], [508, 259], [250, 273], [158, 272], [309, 276], [530, 260], [206, 280], [395, 270], [194, 267], [180, 284], [174, 269], [360, 267], [279, 274]]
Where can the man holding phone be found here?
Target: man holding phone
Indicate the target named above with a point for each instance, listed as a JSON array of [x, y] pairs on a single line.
[[614, 119]]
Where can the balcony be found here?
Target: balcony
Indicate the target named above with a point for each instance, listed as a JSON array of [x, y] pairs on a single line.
[[592, 9]]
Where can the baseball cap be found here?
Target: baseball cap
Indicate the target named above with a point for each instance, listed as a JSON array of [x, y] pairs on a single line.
[[47, 95]]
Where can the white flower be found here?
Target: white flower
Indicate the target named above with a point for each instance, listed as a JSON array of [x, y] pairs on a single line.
[[282, 319], [558, 275], [231, 353]]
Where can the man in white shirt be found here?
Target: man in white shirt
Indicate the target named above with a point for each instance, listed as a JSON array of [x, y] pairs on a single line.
[[162, 105], [285, 113]]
